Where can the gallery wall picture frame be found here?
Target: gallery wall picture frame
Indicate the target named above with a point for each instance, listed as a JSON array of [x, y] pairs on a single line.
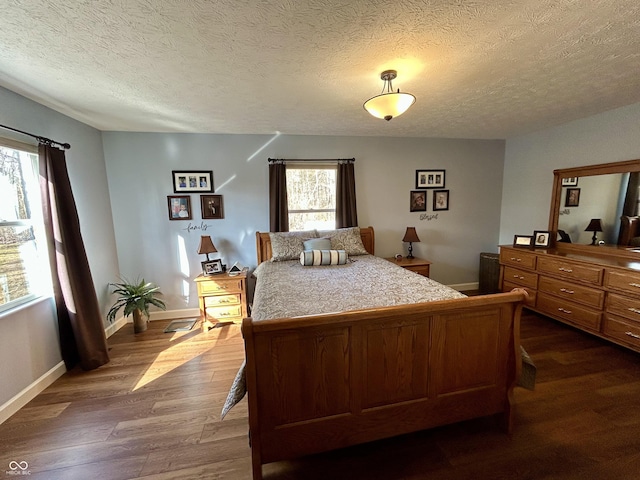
[[440, 200], [570, 182], [418, 201], [192, 181], [212, 267], [430, 178], [179, 207], [523, 241], [212, 207], [572, 198], [541, 238]]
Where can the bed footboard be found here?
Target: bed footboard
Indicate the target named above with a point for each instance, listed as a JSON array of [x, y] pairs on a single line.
[[323, 382]]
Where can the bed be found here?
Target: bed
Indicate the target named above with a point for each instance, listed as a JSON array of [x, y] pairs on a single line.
[[322, 374]]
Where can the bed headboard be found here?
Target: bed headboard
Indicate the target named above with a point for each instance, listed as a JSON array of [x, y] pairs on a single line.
[[263, 243]]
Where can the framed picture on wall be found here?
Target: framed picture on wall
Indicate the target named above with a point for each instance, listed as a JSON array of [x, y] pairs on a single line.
[[573, 197], [418, 201], [430, 179], [440, 200], [179, 207], [570, 182], [211, 207], [192, 181]]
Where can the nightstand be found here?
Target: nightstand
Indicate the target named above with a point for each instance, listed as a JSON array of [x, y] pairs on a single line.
[[417, 265], [222, 297]]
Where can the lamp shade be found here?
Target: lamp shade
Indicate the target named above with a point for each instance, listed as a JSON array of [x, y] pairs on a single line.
[[410, 235], [389, 105], [206, 245], [595, 225]]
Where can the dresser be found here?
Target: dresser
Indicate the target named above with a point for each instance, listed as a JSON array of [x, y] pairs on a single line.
[[222, 297], [594, 291], [417, 265]]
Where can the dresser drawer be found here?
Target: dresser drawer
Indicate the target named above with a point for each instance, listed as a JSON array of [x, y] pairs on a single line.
[[623, 280], [530, 301], [569, 311], [526, 279], [567, 269], [511, 256], [219, 286], [222, 300], [224, 312], [624, 330], [590, 297], [624, 306]]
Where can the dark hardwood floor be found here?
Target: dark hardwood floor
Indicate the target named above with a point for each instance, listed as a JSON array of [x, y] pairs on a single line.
[[153, 412]]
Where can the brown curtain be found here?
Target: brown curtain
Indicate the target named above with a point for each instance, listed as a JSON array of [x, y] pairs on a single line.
[[278, 210], [82, 336], [346, 211]]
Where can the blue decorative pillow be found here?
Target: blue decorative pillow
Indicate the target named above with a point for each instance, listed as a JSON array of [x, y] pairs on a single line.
[[323, 257], [317, 244]]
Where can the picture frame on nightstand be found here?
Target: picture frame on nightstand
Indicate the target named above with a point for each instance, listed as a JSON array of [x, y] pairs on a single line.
[[212, 267]]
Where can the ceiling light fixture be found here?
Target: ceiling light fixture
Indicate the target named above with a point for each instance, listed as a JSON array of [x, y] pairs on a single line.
[[390, 104]]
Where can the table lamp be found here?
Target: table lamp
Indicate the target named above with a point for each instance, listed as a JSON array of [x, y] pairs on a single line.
[[595, 225], [206, 246], [410, 236]]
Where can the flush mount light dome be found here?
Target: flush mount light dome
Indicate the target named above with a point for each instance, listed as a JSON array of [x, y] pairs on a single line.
[[389, 104]]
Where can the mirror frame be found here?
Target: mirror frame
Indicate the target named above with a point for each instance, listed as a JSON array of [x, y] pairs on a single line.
[[556, 197]]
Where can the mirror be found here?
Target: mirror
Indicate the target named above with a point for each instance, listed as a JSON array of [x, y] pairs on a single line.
[[605, 192]]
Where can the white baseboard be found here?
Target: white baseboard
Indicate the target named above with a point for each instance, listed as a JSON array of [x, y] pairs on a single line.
[[19, 400], [462, 287]]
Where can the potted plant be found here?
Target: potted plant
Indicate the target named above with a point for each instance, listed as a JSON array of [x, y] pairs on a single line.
[[136, 297]]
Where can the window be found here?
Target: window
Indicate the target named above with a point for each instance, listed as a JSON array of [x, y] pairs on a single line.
[[311, 196], [23, 256]]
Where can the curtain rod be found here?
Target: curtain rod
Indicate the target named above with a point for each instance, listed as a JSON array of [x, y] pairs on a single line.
[[46, 141], [272, 160]]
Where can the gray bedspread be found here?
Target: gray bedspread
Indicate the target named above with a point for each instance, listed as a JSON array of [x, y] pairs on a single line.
[[289, 289]]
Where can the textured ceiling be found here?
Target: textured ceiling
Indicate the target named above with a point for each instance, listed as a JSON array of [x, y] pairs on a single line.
[[479, 69]]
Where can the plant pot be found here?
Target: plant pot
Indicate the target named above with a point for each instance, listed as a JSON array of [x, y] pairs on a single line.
[[139, 321]]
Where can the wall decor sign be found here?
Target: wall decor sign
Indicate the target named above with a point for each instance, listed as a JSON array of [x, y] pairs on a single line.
[[440, 200], [418, 201], [179, 207], [573, 197], [430, 179], [570, 182], [523, 241], [211, 207], [192, 181]]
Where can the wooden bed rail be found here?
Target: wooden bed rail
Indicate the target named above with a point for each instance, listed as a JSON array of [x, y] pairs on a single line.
[[322, 382]]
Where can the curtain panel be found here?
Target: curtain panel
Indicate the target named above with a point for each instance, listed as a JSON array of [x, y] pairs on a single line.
[[278, 208], [346, 211], [82, 336]]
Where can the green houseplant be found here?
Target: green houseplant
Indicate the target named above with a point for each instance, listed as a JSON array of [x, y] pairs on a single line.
[[135, 298]]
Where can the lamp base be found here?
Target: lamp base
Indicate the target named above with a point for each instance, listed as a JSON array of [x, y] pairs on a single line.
[[594, 239], [410, 251]]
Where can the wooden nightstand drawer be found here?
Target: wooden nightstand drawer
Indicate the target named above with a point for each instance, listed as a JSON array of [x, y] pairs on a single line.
[[223, 300], [570, 291], [526, 279], [568, 269], [569, 311], [416, 265], [230, 285], [513, 257], [224, 312]]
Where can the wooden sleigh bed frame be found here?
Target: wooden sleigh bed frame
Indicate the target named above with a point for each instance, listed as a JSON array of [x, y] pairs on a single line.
[[322, 382]]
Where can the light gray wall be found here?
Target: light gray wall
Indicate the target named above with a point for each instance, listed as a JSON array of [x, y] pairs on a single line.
[[163, 251], [28, 336], [531, 159]]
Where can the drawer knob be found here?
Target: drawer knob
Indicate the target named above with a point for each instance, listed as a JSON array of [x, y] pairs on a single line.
[[568, 270], [634, 310], [633, 335], [635, 285], [564, 311], [566, 290]]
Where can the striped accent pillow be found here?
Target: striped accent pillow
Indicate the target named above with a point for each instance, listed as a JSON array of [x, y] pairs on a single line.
[[323, 257]]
